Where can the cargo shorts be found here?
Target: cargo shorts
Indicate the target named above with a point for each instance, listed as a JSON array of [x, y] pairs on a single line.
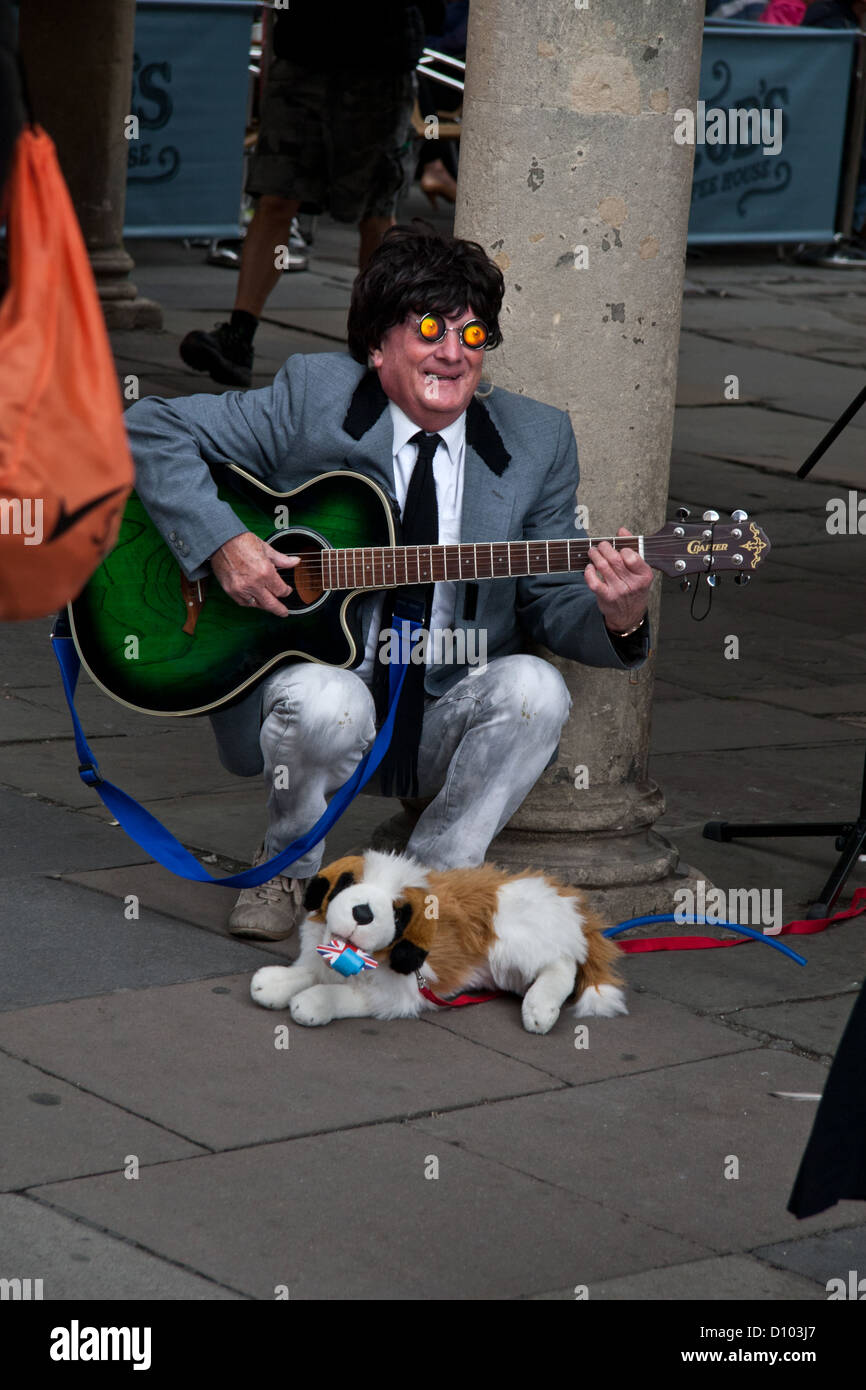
[[337, 142]]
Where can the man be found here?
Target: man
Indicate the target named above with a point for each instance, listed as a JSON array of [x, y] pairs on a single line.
[[504, 468], [335, 135]]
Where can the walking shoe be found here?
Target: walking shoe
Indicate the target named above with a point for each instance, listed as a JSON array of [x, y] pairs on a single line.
[[225, 354], [270, 912]]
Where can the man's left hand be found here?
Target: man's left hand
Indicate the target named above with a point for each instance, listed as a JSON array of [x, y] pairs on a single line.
[[620, 580]]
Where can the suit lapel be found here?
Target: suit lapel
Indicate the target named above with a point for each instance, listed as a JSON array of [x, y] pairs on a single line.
[[488, 492], [368, 422]]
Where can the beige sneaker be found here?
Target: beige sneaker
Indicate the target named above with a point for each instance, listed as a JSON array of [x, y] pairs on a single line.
[[270, 912]]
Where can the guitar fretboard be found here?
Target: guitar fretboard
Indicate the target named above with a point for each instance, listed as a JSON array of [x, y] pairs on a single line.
[[387, 567]]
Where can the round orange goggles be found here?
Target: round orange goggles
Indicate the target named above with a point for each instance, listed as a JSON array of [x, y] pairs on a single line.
[[472, 334]]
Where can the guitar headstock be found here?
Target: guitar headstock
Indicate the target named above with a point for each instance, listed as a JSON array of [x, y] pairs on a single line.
[[707, 547]]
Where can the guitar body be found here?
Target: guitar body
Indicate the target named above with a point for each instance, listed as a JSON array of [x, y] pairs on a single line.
[[162, 645]]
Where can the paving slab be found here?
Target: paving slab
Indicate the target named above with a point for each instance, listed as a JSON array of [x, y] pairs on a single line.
[[323, 323], [39, 838], [656, 1146], [698, 483], [769, 656], [231, 1085], [62, 942], [844, 563], [726, 725], [722, 982], [788, 382], [21, 721], [764, 785], [54, 1130], [730, 1277], [25, 655], [77, 1262], [309, 1215], [653, 1034], [207, 906], [823, 1257], [231, 823], [773, 439], [150, 770], [848, 697], [46, 710], [813, 1025]]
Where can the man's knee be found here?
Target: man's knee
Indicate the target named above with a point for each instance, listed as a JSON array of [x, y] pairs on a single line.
[[530, 689], [327, 706]]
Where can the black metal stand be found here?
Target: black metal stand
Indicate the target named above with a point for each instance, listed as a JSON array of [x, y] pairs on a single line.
[[850, 841]]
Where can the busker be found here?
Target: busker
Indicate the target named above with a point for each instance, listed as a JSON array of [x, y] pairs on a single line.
[[402, 408]]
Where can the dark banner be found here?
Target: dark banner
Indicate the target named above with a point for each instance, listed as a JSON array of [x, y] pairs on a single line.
[[189, 99], [769, 133]]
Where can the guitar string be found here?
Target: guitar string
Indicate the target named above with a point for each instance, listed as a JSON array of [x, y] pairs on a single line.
[[312, 567]]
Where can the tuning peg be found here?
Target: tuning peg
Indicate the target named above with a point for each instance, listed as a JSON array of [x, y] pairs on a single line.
[[739, 515], [742, 578], [713, 580], [711, 515], [685, 585], [683, 513]]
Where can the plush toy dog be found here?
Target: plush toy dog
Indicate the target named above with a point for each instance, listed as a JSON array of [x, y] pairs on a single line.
[[461, 929]]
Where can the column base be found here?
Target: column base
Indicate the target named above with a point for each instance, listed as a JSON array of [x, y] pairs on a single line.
[[131, 313], [121, 305], [623, 875]]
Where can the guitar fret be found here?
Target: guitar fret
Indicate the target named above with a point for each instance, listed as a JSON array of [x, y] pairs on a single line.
[[376, 567]]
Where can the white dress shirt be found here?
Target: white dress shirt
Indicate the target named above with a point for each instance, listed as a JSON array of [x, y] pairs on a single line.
[[448, 476]]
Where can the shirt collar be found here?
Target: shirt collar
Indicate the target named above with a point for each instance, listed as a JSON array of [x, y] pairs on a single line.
[[452, 435]]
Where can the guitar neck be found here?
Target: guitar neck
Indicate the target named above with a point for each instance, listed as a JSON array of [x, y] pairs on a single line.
[[378, 567]]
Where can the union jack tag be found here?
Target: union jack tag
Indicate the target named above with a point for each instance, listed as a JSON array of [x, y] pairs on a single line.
[[346, 959]]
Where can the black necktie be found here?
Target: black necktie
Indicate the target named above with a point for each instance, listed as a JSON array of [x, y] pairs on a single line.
[[399, 768]]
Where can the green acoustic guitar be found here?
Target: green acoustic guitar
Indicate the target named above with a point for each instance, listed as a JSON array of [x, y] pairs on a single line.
[[165, 645]]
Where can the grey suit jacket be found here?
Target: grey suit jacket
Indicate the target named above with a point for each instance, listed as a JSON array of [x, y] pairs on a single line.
[[325, 411]]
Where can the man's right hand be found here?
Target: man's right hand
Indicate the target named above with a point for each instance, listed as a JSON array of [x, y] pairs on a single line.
[[249, 571]]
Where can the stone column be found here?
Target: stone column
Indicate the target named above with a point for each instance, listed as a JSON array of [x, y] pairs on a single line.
[[571, 180], [78, 60]]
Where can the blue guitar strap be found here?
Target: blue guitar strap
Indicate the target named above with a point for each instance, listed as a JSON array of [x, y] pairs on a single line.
[[158, 842]]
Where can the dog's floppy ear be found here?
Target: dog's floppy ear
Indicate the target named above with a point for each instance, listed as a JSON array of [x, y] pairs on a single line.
[[315, 894], [414, 933], [406, 957], [332, 880]]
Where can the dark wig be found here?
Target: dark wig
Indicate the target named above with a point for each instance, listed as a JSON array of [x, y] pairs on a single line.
[[417, 270]]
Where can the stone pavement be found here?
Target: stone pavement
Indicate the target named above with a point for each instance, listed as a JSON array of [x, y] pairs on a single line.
[[132, 1045]]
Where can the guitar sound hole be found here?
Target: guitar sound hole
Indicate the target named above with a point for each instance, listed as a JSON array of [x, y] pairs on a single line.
[[305, 578]]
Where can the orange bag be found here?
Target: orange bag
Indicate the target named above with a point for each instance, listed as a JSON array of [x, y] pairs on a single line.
[[65, 465]]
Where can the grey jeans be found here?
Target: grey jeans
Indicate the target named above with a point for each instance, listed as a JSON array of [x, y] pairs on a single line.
[[483, 746]]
